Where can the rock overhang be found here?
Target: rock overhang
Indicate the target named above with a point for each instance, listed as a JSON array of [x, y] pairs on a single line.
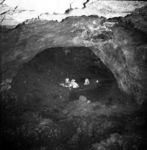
[[17, 11]]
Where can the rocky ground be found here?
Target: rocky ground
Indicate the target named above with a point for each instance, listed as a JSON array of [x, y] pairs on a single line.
[[37, 113]]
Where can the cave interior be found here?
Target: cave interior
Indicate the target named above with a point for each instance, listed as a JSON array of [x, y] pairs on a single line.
[[77, 83], [43, 111]]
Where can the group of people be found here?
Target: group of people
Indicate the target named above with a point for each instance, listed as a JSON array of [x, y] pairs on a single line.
[[73, 84], [70, 84]]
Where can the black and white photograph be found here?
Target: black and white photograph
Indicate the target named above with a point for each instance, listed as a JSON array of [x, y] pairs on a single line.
[[73, 75]]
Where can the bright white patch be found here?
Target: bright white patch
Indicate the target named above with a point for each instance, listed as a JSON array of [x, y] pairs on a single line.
[[22, 10], [74, 84], [87, 82], [50, 6], [70, 84], [88, 101], [67, 81], [97, 81]]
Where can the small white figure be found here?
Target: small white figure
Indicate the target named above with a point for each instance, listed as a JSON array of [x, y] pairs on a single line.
[[74, 84], [87, 82], [67, 81], [70, 84], [97, 81]]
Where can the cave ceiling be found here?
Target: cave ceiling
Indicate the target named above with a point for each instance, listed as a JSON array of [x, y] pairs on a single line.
[[14, 12]]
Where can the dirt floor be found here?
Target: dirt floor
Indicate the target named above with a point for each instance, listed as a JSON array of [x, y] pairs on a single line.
[[38, 113]]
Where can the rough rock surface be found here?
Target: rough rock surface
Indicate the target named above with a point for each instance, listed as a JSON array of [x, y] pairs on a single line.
[[119, 42], [37, 113], [15, 12]]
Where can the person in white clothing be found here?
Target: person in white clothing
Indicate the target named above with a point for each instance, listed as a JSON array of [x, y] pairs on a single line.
[[74, 84], [87, 82]]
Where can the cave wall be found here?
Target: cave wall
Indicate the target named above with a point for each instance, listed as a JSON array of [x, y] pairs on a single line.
[[117, 42]]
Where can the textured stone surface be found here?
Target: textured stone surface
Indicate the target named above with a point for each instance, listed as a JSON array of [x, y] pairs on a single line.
[[18, 11], [37, 55], [117, 42]]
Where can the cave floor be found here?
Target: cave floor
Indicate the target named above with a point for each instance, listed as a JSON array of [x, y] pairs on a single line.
[[40, 114]]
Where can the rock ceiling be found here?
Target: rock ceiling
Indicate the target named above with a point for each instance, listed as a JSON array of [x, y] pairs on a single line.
[[14, 12]]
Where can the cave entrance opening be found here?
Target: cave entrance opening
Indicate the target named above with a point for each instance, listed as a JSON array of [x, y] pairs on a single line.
[[64, 97], [67, 74]]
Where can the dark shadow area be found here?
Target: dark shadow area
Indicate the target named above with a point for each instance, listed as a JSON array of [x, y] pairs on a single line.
[[43, 112], [50, 68]]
